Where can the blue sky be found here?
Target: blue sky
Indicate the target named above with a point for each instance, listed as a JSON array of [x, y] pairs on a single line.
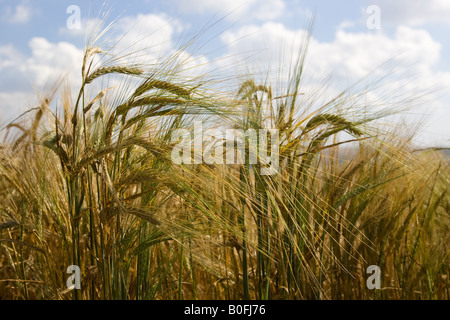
[[36, 46]]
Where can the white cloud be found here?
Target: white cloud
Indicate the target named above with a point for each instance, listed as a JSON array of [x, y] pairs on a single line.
[[236, 9], [9, 56], [22, 14], [350, 55], [409, 59], [152, 32], [47, 63], [50, 60], [151, 39], [19, 14], [357, 54], [14, 103], [346, 25], [148, 38], [414, 13]]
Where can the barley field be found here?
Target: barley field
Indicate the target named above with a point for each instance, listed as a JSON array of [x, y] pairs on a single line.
[[87, 179]]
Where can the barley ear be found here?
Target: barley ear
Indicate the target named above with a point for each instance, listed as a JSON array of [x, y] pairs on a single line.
[[108, 70]]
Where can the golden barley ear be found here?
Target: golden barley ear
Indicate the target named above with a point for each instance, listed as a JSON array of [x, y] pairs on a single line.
[[90, 52]]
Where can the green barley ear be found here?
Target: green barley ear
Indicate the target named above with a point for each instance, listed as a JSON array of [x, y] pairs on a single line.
[[334, 120], [149, 101], [150, 84], [115, 69], [8, 225]]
